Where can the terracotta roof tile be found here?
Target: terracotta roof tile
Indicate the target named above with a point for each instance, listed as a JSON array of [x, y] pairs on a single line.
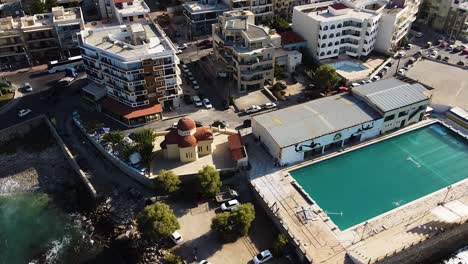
[[130, 112], [290, 37]]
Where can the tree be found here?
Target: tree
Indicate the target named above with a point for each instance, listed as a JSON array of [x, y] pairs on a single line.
[[157, 221], [326, 78], [48, 4], [280, 24], [404, 41], [37, 7], [114, 137], [235, 224], [168, 181], [171, 258], [209, 180], [145, 145], [279, 245], [278, 70]]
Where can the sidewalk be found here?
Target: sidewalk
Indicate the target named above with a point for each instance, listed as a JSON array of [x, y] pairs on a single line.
[[41, 67]]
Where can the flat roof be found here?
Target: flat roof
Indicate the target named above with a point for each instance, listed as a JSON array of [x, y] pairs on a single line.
[[316, 118], [318, 12], [196, 7], [391, 94]]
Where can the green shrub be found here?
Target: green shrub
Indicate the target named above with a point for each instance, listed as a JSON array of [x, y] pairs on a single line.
[[209, 180], [279, 245], [171, 258], [157, 221]]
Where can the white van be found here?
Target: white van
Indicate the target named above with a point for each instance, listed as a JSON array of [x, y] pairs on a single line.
[[196, 100]]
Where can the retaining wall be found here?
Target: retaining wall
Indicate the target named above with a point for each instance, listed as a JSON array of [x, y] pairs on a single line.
[[131, 172]]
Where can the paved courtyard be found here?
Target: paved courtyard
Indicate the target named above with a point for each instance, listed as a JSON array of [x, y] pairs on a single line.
[[252, 98], [450, 83], [220, 158]]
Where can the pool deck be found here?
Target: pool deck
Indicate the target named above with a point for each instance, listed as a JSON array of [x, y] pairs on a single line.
[[321, 241], [371, 64]]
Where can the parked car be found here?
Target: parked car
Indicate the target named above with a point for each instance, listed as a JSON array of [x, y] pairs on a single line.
[[386, 68], [253, 109], [428, 45], [451, 48], [401, 72], [446, 59], [434, 54], [355, 84], [24, 112], [204, 262], [226, 195], [439, 57], [176, 237], [5, 67], [263, 257], [269, 105], [461, 63], [230, 205], [195, 85], [408, 47], [182, 46], [375, 78], [207, 103], [400, 54], [196, 100], [27, 87], [419, 34]]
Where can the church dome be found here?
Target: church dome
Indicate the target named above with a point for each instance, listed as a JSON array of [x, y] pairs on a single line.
[[186, 124], [187, 141]]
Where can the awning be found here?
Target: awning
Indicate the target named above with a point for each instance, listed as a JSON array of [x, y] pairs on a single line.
[[130, 112]]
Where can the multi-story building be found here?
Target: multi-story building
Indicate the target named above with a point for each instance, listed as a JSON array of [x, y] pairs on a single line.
[[447, 16], [332, 28], [129, 11], [136, 64], [245, 50], [262, 9], [40, 38], [396, 21], [201, 15]]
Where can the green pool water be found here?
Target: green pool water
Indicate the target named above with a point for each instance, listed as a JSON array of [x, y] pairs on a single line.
[[375, 179]]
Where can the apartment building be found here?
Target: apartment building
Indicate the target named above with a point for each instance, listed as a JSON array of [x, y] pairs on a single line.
[[447, 16], [396, 21], [129, 11], [332, 29], [40, 38], [137, 66], [244, 50], [200, 15]]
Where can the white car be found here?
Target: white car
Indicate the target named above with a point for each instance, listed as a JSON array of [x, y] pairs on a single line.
[[195, 85], [24, 112], [419, 34], [375, 78], [401, 72], [176, 237], [27, 87], [196, 100], [207, 103], [355, 84], [269, 105], [386, 68], [434, 54], [182, 46], [253, 109], [230, 205], [400, 54], [204, 262], [263, 257]]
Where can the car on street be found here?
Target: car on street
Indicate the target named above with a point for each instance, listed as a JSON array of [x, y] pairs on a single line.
[[219, 123], [230, 205], [195, 85], [355, 84], [446, 59], [176, 237], [24, 112], [207, 103], [375, 78], [269, 105], [401, 72], [399, 54], [182, 46], [191, 78], [408, 46], [27, 87], [263, 257], [419, 34], [204, 262], [253, 109], [386, 68], [196, 100], [434, 54]]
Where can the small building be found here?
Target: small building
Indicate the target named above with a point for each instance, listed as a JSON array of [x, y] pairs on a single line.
[[290, 40], [238, 151], [287, 59], [202, 14], [400, 103], [299, 132], [187, 142]]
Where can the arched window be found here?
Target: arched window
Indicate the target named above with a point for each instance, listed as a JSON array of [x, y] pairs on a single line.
[[332, 35], [329, 52], [324, 37], [322, 53], [339, 26], [330, 44], [335, 51], [323, 45], [325, 28], [338, 34], [337, 42], [332, 27]]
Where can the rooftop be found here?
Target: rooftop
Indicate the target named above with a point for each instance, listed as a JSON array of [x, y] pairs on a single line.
[[391, 94], [128, 41], [138, 6], [320, 12], [65, 14], [316, 118], [290, 37], [130, 112], [197, 8]]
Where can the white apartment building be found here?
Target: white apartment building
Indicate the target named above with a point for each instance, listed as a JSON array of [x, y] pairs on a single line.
[[124, 11], [40, 38], [396, 21], [244, 50], [332, 29], [136, 64], [448, 16]]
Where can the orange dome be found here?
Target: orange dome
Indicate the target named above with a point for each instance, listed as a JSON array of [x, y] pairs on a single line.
[[186, 124], [203, 133], [187, 141]]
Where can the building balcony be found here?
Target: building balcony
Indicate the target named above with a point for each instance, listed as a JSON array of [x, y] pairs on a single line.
[[12, 53], [36, 39], [256, 71]]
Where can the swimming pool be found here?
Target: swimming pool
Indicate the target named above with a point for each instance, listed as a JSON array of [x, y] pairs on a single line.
[[348, 66], [362, 184]]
